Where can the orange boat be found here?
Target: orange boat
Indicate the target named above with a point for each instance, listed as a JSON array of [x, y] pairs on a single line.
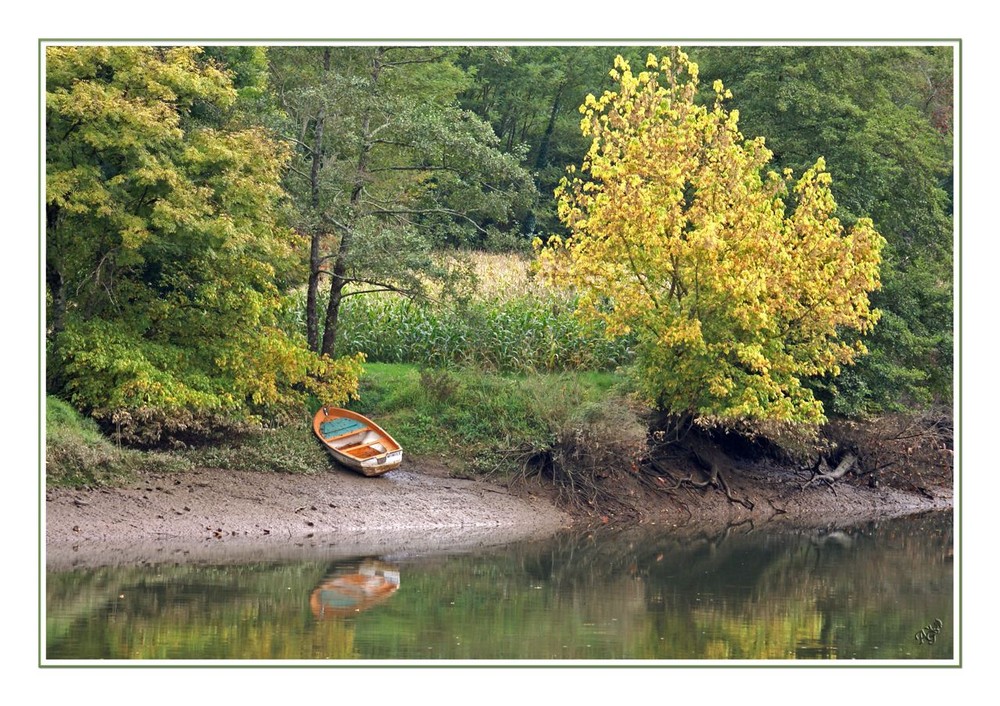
[[356, 441]]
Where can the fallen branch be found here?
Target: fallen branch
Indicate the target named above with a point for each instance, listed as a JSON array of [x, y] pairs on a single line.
[[831, 477]]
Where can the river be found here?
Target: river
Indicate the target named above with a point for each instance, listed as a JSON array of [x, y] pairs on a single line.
[[881, 591]]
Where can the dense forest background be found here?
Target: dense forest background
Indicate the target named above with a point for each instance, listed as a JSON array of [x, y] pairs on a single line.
[[215, 215]]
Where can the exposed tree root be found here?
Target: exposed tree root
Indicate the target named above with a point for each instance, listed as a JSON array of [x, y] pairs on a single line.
[[715, 459], [658, 481], [898, 449], [712, 461], [777, 510]]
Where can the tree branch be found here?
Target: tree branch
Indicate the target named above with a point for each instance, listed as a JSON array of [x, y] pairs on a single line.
[[404, 62], [380, 286], [416, 169], [300, 173], [424, 211], [299, 142], [394, 143], [398, 290]]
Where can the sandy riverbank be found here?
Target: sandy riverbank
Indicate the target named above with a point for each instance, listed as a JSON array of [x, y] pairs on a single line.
[[204, 513], [193, 513]]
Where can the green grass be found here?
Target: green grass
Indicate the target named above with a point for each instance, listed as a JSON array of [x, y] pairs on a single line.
[[468, 420], [289, 449], [77, 454], [481, 422]]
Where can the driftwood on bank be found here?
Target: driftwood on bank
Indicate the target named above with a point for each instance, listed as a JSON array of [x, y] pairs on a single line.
[[823, 472]]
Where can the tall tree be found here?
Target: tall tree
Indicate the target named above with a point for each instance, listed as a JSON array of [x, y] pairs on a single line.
[[530, 95], [882, 118], [165, 249], [679, 236], [387, 167]]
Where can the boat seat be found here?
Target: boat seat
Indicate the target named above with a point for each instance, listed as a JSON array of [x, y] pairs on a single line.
[[352, 447], [341, 426], [362, 450]]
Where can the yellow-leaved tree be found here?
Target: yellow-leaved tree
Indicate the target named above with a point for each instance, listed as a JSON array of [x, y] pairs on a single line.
[[736, 282]]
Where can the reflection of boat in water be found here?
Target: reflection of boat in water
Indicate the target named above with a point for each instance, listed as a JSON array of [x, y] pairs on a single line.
[[353, 588]]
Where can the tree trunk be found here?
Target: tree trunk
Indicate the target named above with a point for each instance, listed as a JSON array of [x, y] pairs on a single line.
[[338, 279], [336, 294], [543, 147], [55, 282], [54, 326], [543, 154], [312, 294], [315, 260]]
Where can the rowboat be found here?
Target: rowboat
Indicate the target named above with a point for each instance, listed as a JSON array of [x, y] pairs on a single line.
[[356, 441]]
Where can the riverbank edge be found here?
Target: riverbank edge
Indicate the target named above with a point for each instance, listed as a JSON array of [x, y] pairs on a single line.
[[207, 513]]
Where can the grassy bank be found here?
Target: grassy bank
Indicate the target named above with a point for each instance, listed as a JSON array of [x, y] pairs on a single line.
[[480, 381], [466, 420], [479, 422], [77, 454]]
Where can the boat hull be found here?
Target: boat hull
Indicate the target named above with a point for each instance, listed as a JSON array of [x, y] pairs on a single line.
[[356, 441]]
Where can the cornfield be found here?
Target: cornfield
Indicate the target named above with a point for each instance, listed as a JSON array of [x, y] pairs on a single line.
[[513, 323]]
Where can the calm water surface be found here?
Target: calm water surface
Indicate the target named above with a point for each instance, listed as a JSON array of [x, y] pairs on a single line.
[[872, 592]]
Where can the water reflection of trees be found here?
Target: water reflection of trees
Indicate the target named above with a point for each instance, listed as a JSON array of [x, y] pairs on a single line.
[[745, 593], [191, 612], [749, 593]]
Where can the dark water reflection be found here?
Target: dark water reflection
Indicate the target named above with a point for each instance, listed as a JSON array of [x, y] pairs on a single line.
[[861, 593]]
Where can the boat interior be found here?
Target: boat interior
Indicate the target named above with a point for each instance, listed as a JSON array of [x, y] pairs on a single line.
[[359, 441], [360, 445]]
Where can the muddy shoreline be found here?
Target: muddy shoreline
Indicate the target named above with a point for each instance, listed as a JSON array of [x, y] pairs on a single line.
[[203, 514]]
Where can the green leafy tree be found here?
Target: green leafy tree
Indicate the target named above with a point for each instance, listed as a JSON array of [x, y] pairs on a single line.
[[387, 166], [882, 118], [164, 246], [530, 95], [679, 236]]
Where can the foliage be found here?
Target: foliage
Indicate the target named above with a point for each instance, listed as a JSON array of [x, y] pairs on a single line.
[[517, 335], [386, 166], [529, 95], [678, 236], [248, 68], [165, 248], [882, 117]]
